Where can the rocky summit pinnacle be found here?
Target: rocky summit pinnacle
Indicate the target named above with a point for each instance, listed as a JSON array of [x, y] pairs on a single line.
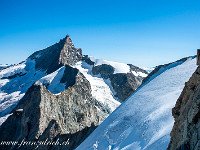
[[69, 55], [57, 55]]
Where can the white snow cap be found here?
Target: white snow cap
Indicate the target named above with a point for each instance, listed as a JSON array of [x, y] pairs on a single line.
[[119, 67]]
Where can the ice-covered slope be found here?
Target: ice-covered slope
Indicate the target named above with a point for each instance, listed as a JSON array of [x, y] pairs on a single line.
[[121, 67], [101, 90], [144, 120]]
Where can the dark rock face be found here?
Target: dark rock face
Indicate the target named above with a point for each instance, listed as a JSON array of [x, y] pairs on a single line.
[[87, 60], [137, 69], [69, 55], [41, 115], [105, 70], [73, 140], [124, 84], [69, 77], [185, 134], [57, 55]]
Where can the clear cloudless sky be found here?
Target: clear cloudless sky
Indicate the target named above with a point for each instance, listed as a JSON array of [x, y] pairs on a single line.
[[140, 32]]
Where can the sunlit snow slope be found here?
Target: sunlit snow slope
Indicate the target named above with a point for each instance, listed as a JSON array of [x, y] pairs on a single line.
[[144, 120]]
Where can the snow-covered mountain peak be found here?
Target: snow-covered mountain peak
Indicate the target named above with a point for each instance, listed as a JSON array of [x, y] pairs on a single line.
[[80, 91], [111, 82], [119, 67]]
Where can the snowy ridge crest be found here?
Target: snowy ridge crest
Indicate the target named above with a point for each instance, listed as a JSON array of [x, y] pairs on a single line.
[[118, 67]]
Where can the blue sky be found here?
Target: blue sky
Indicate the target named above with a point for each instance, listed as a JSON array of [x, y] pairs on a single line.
[[140, 32]]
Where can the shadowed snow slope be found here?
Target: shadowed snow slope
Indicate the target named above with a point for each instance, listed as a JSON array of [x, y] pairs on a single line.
[[144, 120]]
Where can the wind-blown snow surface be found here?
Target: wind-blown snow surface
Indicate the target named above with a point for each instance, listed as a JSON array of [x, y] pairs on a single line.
[[144, 120], [101, 89]]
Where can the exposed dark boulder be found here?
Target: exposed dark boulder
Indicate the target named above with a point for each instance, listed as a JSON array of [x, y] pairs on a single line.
[[124, 84], [14, 76], [104, 70], [87, 60]]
